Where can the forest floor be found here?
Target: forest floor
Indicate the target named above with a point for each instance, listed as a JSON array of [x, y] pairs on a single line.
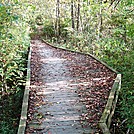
[[68, 91]]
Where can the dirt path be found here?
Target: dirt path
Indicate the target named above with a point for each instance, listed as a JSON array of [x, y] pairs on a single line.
[[68, 91]]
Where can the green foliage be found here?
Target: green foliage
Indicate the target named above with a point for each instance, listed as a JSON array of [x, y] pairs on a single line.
[[48, 29], [118, 51], [14, 43], [10, 112], [122, 59]]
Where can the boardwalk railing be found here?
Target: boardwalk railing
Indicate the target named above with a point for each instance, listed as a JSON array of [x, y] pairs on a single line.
[[106, 117], [23, 118]]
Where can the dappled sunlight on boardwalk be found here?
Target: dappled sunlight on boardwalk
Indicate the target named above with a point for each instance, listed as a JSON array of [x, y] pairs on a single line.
[[68, 91]]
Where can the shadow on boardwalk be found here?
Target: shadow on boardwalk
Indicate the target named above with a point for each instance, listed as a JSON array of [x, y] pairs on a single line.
[[68, 91]]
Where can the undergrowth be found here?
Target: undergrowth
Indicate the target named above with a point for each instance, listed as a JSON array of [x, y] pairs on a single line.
[[11, 110]]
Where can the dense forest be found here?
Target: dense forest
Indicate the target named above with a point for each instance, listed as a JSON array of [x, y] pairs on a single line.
[[104, 28]]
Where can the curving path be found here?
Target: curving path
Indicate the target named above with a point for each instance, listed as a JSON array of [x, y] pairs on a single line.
[[68, 91]]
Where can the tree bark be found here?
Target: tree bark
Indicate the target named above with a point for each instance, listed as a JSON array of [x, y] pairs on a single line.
[[57, 25], [78, 15], [72, 14]]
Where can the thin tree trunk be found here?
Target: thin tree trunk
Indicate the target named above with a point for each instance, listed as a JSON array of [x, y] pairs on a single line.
[[78, 15], [57, 25], [72, 14], [88, 2]]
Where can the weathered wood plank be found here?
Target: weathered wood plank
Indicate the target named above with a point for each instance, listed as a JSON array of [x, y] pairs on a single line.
[[23, 118], [106, 117]]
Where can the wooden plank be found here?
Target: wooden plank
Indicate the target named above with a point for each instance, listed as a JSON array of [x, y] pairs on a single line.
[[63, 127], [23, 118], [104, 128], [106, 117], [115, 99]]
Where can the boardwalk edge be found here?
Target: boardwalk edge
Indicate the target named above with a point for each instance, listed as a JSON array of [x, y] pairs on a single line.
[[108, 112], [23, 118]]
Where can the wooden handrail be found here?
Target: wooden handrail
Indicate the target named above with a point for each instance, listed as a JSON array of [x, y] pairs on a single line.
[[108, 112]]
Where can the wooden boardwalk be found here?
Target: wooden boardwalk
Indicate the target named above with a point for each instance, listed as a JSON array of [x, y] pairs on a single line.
[[60, 84]]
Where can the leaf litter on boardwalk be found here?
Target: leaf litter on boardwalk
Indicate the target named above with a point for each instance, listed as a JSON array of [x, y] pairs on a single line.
[[94, 81]]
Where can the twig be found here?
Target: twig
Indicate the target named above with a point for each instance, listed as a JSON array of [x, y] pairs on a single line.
[[123, 122], [128, 131]]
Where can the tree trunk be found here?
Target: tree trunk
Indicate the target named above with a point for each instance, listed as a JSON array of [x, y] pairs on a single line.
[[78, 15], [72, 14], [88, 2], [57, 24]]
